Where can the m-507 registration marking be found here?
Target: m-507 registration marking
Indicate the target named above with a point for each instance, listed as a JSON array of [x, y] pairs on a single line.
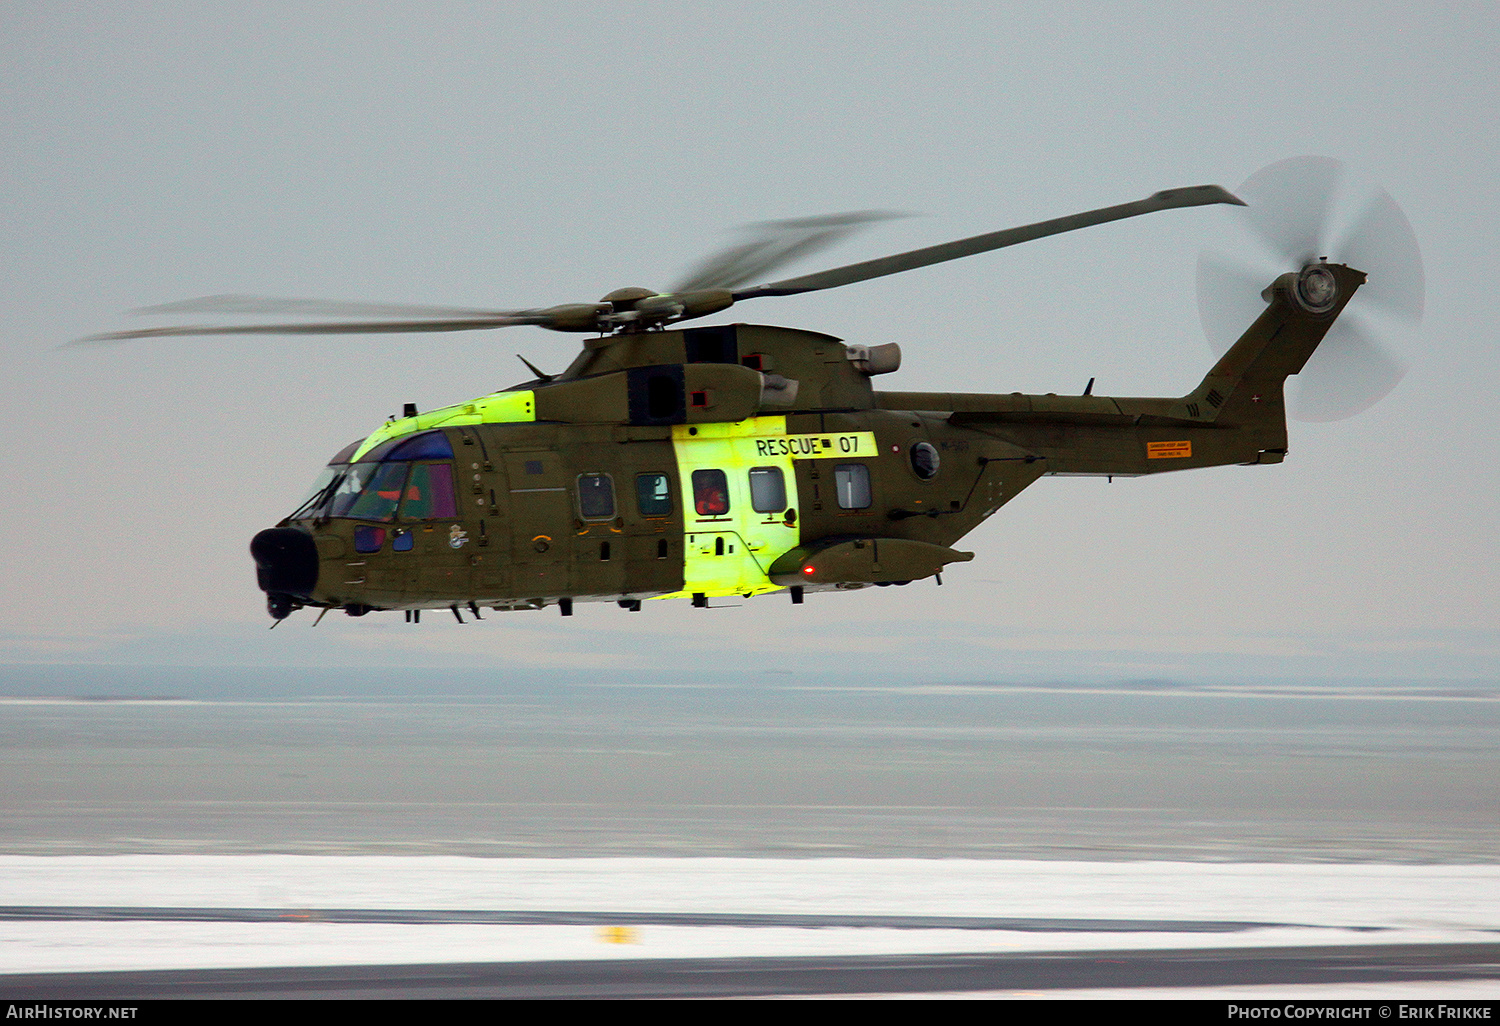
[[846, 445]]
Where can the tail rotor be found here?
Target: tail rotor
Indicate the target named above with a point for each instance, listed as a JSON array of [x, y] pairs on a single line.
[[1300, 211]]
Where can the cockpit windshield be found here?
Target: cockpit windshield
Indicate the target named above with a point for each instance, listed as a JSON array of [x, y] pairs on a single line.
[[317, 495], [388, 480]]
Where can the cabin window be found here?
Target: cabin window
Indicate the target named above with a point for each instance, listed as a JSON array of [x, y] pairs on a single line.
[[653, 495], [852, 483], [596, 497], [924, 460], [368, 539], [710, 493], [429, 493], [767, 490], [402, 540]]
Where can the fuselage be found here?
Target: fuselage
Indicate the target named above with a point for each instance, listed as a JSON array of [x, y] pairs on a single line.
[[522, 514]]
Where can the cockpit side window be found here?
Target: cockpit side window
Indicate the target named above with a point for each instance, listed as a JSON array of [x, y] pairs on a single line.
[[429, 493], [386, 479], [377, 501]]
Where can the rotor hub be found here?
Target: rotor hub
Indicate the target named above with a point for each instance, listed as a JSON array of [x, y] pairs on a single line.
[[1317, 290], [625, 299]]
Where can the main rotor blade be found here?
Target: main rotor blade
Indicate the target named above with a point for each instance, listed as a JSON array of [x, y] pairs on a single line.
[[1193, 196], [324, 328], [773, 244], [236, 304]]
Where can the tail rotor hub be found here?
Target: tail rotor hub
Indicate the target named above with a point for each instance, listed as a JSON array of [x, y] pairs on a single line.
[[1317, 290]]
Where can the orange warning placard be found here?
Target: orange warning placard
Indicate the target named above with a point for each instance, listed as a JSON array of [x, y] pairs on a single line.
[[1168, 450]]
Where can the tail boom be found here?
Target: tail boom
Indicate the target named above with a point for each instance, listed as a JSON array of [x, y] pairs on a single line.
[[1236, 415]]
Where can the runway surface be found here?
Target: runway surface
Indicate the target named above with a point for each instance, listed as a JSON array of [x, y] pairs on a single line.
[[1399, 967]]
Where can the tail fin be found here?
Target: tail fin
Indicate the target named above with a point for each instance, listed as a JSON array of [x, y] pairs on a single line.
[[1245, 389]]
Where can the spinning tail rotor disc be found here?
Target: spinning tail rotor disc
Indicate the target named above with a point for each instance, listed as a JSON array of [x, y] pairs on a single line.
[[1299, 211]]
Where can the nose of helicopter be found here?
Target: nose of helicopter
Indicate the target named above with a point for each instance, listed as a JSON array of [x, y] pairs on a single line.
[[286, 567]]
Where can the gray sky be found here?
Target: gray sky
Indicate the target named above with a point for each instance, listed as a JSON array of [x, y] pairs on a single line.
[[511, 155]]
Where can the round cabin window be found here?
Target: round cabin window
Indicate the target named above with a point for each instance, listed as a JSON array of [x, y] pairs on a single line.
[[924, 460]]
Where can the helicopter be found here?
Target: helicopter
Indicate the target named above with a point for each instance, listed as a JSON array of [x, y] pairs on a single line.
[[742, 459]]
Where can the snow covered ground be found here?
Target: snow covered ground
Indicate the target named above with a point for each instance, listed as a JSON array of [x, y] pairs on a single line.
[[1302, 904]]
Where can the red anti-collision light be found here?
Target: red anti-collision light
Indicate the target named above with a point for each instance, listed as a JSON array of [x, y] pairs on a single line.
[[808, 570]]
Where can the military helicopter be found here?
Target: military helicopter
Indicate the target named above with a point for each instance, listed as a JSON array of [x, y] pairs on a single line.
[[743, 459]]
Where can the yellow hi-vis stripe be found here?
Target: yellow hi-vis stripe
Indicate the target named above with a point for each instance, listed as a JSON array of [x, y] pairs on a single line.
[[498, 408]]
